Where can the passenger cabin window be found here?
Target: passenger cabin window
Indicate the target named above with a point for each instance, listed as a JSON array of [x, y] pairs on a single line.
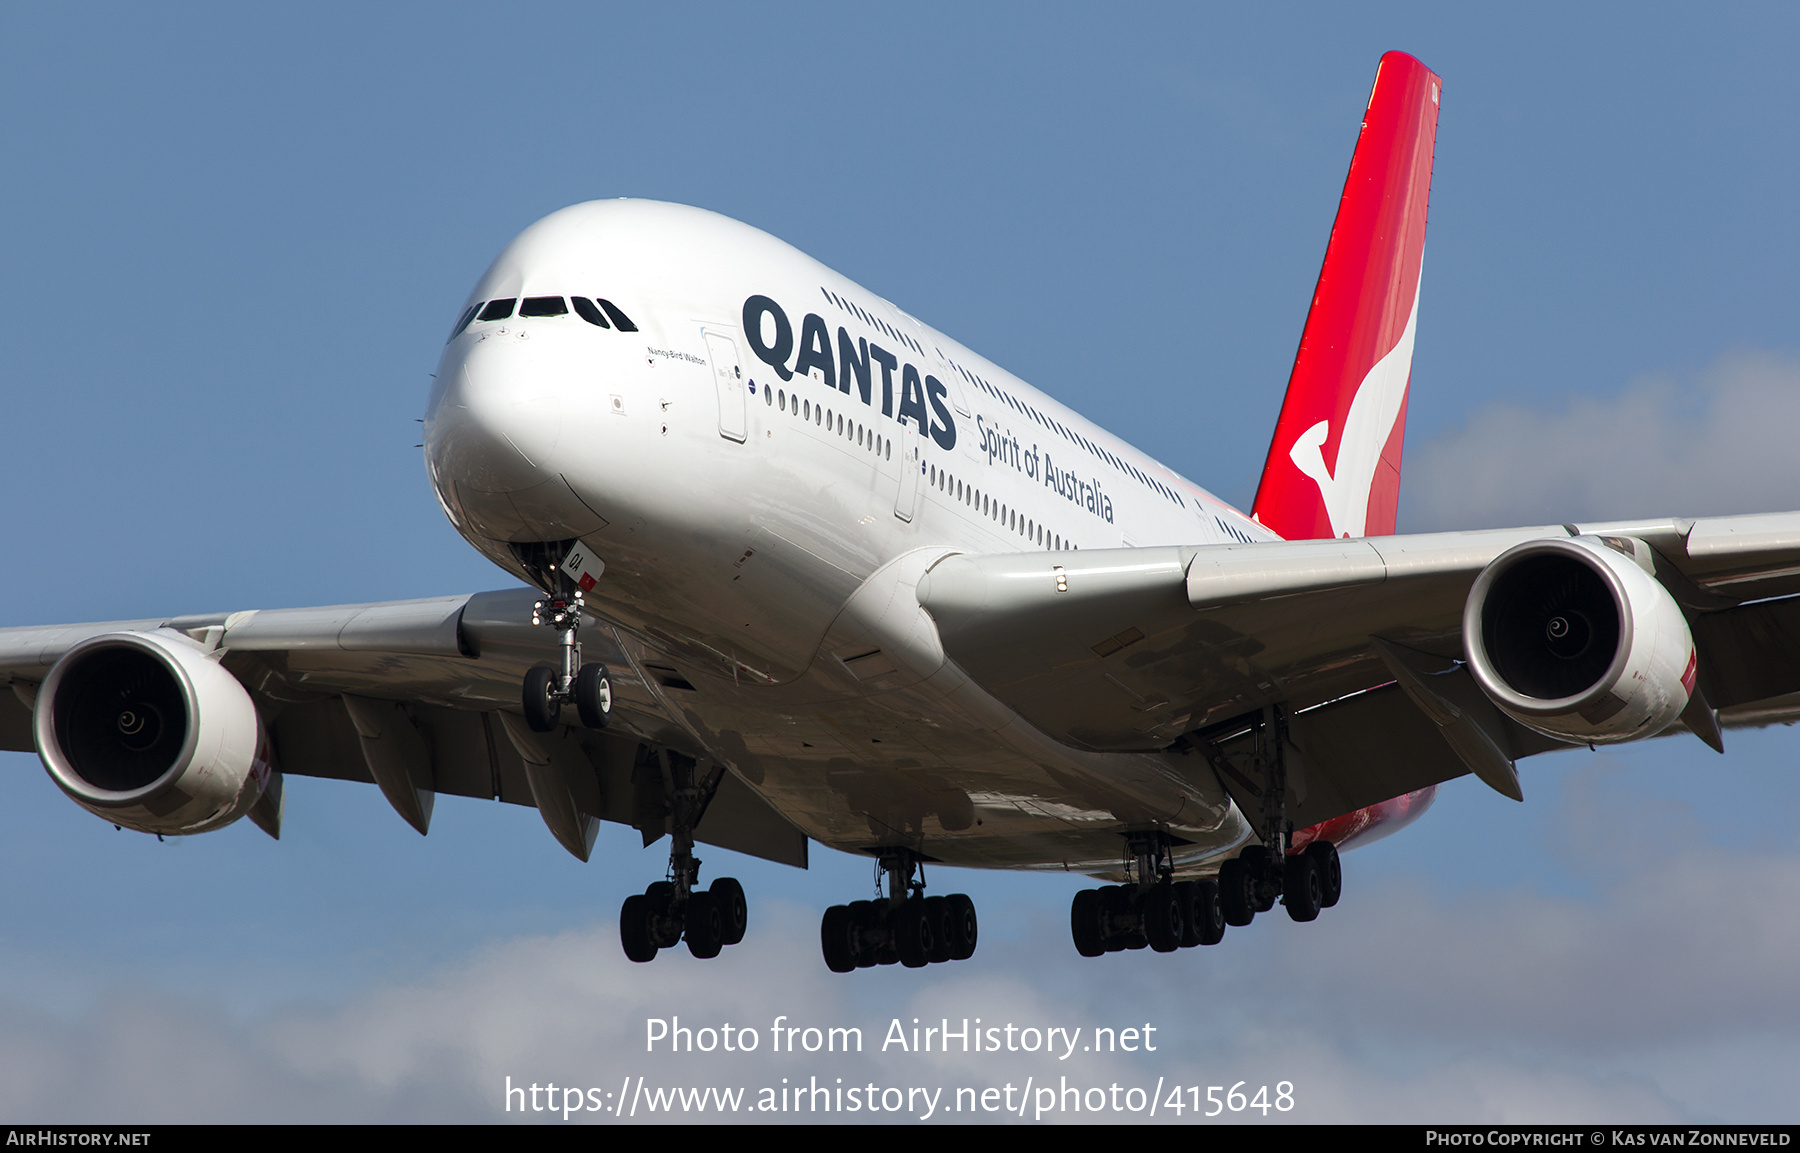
[[585, 309], [619, 319], [543, 306], [498, 309]]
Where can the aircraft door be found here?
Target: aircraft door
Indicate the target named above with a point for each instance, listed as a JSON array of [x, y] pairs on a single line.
[[907, 446], [728, 381]]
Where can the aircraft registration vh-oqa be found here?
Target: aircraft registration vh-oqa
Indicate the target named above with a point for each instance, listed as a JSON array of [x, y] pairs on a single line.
[[802, 568]]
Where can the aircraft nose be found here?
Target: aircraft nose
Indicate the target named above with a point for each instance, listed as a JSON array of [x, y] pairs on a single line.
[[494, 424]]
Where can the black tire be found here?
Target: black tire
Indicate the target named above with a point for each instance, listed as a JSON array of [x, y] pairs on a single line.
[[705, 929], [1113, 933], [1084, 923], [1162, 917], [913, 938], [1186, 894], [865, 921], [964, 930], [542, 708], [666, 929], [937, 912], [1331, 873], [732, 906], [1300, 890], [634, 929], [1209, 912], [836, 939], [593, 696], [1237, 892]]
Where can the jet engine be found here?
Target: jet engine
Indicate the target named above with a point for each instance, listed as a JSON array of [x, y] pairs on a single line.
[[145, 730], [1572, 637]]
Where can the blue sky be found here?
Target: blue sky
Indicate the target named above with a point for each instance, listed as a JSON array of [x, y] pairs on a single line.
[[235, 239]]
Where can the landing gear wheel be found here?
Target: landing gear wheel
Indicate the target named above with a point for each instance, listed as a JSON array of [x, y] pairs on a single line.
[[705, 930], [836, 939], [913, 938], [1300, 888], [665, 927], [542, 704], [1162, 918], [1209, 913], [1237, 892], [593, 696], [1085, 923], [1186, 893], [937, 912], [865, 918], [1331, 873], [729, 896], [634, 929], [963, 928]]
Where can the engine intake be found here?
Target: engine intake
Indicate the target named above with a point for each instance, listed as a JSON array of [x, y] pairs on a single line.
[[145, 730], [1573, 637]]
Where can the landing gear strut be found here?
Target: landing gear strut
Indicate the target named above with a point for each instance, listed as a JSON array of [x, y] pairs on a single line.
[[1153, 909], [905, 927], [547, 690], [1304, 881], [677, 909]]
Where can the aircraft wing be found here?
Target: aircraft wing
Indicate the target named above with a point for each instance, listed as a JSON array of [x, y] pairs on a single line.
[[1361, 640], [421, 697]]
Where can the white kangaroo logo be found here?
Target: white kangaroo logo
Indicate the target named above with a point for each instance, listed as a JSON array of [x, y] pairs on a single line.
[[1367, 427]]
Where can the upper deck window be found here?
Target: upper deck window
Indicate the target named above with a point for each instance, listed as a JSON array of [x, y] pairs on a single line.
[[543, 306], [499, 309], [585, 309]]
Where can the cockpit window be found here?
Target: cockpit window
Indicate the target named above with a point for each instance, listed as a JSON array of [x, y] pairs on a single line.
[[498, 309], [543, 306], [585, 309], [463, 322], [619, 319]]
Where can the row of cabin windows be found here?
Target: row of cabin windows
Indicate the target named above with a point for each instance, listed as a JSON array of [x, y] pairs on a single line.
[[1024, 409], [994, 510], [883, 448], [865, 437], [601, 313], [870, 319], [1071, 435]]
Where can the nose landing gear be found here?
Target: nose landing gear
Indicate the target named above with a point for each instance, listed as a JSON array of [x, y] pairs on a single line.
[[586, 685]]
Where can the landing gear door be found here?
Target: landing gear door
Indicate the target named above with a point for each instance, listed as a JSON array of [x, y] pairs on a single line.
[[728, 380], [907, 448]]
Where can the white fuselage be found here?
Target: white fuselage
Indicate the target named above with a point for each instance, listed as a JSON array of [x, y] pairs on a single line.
[[737, 505]]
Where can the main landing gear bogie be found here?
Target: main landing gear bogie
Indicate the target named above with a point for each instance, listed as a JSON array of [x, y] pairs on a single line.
[[906, 928], [1164, 914], [678, 909], [1306, 882], [708, 920], [1163, 917]]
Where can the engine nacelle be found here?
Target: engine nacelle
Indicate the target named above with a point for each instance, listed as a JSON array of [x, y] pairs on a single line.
[[1574, 639], [144, 730]]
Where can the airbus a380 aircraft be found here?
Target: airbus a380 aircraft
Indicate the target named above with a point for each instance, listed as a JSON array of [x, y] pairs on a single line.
[[804, 568]]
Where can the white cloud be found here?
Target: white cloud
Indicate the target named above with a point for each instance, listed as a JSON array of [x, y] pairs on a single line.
[[1721, 443], [1665, 995]]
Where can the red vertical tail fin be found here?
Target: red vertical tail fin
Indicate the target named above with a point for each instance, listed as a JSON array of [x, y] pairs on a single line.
[[1334, 466]]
